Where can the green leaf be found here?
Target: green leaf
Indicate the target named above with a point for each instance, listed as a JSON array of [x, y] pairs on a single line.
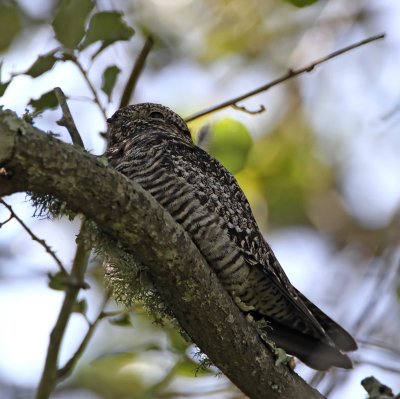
[[176, 341], [122, 320], [230, 143], [43, 64], [46, 101], [107, 27], [10, 24], [80, 306], [57, 281], [69, 22], [188, 368], [3, 86], [301, 3], [120, 375], [109, 79], [286, 170]]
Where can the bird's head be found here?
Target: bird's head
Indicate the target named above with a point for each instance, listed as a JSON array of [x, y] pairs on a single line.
[[145, 118]]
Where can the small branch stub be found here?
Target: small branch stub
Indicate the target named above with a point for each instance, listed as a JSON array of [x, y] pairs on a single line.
[[67, 120]]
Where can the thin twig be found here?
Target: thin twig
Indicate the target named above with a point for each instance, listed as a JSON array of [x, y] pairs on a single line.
[[71, 57], [380, 345], [67, 121], [49, 375], [380, 285], [316, 378], [7, 220], [35, 237], [114, 313], [380, 365], [136, 71], [291, 73], [66, 370], [242, 108]]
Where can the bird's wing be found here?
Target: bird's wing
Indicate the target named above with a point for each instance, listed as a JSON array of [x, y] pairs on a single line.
[[341, 338], [218, 190]]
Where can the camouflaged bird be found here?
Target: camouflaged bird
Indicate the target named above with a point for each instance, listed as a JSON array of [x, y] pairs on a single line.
[[152, 145]]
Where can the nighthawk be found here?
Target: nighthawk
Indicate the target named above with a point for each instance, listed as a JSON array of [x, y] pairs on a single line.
[[152, 145]]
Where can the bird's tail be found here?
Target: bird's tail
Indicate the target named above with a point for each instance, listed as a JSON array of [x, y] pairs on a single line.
[[340, 337], [316, 353], [310, 350]]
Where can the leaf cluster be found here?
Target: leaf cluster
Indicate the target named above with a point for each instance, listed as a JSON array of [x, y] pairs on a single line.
[[77, 26]]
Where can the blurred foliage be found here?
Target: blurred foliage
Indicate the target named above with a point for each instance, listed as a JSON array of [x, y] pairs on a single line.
[[110, 75], [107, 27], [288, 172], [227, 28], [75, 33], [80, 306], [10, 23], [230, 142], [3, 85], [44, 102], [117, 376], [43, 64], [57, 281], [122, 320], [302, 3], [69, 21], [283, 166], [146, 373]]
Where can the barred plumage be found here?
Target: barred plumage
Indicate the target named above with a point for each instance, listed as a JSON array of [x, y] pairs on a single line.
[[152, 145]]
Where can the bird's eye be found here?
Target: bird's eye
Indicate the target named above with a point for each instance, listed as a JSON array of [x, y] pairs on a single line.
[[156, 115]]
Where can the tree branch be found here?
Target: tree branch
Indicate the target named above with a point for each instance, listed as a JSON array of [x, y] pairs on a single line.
[[66, 370], [49, 375], [260, 110], [34, 237], [67, 120], [40, 163], [291, 73], [377, 390], [136, 71], [71, 57]]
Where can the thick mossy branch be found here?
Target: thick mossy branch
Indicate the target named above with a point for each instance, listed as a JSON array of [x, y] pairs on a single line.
[[33, 161]]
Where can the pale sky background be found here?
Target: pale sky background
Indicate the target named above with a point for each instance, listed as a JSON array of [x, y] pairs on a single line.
[[353, 102]]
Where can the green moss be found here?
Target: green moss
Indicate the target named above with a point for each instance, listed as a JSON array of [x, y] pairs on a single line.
[[128, 278], [49, 206]]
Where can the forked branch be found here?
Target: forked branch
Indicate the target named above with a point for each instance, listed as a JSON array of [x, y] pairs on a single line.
[[291, 73]]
